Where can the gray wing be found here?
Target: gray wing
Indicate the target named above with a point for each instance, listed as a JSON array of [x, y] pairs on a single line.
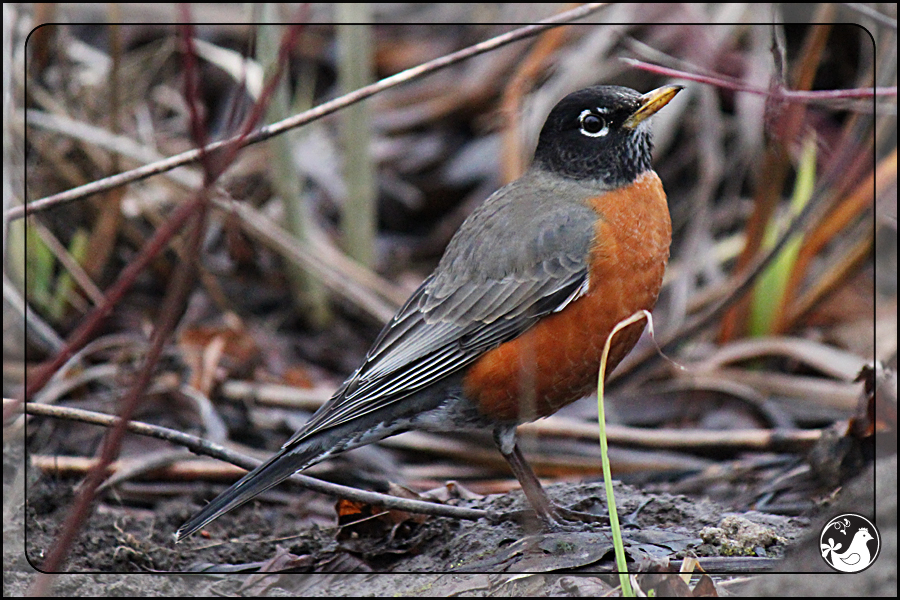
[[501, 272]]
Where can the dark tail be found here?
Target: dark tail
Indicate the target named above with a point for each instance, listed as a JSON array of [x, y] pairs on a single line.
[[267, 475]]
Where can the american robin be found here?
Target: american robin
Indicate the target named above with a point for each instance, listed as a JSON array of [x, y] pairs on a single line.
[[511, 325]]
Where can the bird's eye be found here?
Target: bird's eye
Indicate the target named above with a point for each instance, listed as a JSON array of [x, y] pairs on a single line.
[[592, 125]]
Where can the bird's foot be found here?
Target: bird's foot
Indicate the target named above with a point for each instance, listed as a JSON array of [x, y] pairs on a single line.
[[555, 519]]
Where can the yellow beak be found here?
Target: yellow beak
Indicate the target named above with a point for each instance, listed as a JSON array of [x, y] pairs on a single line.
[[651, 102]]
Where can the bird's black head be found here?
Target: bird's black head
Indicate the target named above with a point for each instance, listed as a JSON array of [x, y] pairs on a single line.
[[601, 134]]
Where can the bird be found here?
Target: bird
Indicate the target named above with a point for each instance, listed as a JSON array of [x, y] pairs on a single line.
[[855, 558], [511, 325]]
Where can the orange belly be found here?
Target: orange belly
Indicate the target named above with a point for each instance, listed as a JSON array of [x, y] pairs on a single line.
[[557, 361]]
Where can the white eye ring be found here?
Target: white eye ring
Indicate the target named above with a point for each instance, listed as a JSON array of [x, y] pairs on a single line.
[[589, 113]]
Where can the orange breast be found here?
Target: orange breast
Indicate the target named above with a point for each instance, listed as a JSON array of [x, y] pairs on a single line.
[[557, 361]]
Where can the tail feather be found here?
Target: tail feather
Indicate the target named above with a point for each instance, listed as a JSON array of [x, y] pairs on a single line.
[[265, 476]]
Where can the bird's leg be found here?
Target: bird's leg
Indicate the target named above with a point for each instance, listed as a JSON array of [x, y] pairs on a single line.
[[551, 514]]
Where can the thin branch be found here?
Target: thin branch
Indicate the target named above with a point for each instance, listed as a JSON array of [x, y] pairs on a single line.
[[731, 83], [303, 118], [205, 448]]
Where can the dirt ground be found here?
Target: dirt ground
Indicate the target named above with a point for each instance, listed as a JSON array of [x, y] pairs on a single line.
[[437, 557]]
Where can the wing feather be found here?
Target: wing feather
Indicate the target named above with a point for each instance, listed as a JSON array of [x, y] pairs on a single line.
[[480, 296]]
